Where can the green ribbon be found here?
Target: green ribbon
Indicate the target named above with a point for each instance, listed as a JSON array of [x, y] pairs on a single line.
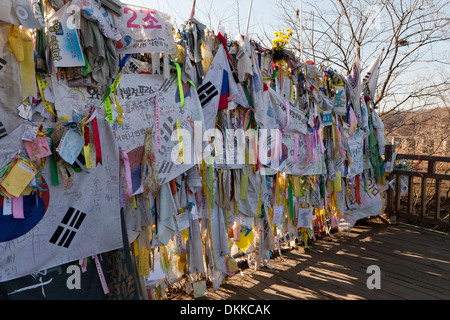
[[262, 211], [247, 95], [53, 166], [180, 83], [107, 103], [291, 201], [211, 188]]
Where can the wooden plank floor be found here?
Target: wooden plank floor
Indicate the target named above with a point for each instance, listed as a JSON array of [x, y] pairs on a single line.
[[414, 264]]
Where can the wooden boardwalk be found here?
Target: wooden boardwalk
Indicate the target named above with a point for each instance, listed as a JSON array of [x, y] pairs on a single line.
[[414, 264]]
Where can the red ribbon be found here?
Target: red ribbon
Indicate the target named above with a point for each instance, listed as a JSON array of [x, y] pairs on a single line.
[[98, 147], [86, 136], [357, 189], [223, 41]]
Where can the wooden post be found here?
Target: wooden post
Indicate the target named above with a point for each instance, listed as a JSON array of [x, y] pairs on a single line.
[[423, 209], [389, 150], [423, 196], [410, 194], [398, 185], [437, 214]]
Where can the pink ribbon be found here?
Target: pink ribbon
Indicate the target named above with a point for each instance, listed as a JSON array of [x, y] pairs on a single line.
[[127, 175], [321, 144], [352, 121], [246, 118], [288, 106], [295, 148], [308, 148], [314, 147], [280, 144], [100, 274], [83, 264], [17, 207], [157, 126]]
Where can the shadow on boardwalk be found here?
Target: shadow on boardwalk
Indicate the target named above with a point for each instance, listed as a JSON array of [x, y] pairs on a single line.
[[414, 264]]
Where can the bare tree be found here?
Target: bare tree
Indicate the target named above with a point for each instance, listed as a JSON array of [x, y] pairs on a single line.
[[407, 35]]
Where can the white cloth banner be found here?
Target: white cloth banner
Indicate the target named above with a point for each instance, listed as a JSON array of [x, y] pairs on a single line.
[[356, 146], [371, 205], [10, 85], [297, 142], [144, 30], [371, 76], [355, 88], [29, 13], [139, 114], [61, 226], [8, 14]]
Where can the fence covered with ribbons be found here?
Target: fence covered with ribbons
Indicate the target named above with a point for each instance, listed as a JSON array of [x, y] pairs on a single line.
[[211, 147]]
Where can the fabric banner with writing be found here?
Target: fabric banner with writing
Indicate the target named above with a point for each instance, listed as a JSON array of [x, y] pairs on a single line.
[[61, 225], [63, 39], [144, 30], [371, 205], [288, 144], [10, 85], [161, 110], [356, 148], [51, 284]]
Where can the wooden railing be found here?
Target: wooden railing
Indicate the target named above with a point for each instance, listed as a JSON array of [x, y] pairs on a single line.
[[394, 207]]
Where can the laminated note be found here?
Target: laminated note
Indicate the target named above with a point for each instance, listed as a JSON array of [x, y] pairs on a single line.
[[7, 206], [194, 212], [304, 218], [70, 146], [144, 262], [337, 183], [199, 288], [19, 177], [157, 272], [25, 111], [38, 147], [182, 220], [327, 119], [30, 133], [277, 214]]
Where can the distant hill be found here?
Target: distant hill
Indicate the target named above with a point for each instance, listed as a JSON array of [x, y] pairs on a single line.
[[419, 132]]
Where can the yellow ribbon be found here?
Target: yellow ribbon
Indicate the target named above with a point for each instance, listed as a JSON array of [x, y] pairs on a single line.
[[259, 197], [180, 141], [180, 84], [114, 90], [42, 84], [108, 109]]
